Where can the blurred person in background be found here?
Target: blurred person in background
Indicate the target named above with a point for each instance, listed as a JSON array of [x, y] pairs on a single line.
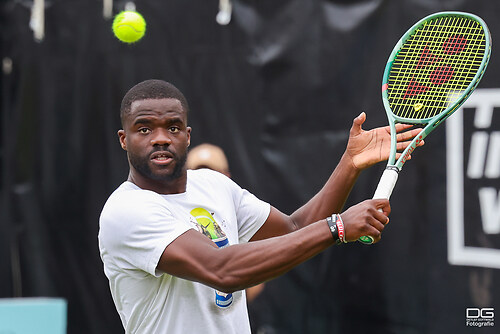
[[208, 156]]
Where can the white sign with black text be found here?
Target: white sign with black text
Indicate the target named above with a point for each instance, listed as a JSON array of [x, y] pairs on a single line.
[[473, 181]]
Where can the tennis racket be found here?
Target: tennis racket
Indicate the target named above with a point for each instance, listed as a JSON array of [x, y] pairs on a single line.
[[431, 71]]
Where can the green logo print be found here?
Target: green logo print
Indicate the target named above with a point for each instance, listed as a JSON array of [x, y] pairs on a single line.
[[211, 229], [207, 223]]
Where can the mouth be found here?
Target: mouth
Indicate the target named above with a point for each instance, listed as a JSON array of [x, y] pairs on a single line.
[[162, 157]]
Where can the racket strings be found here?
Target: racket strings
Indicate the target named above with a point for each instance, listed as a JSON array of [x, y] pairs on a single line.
[[435, 66]]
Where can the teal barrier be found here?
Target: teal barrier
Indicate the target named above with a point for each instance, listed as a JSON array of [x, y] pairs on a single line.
[[33, 315]]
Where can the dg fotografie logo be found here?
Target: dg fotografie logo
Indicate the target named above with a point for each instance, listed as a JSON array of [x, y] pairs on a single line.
[[480, 317]]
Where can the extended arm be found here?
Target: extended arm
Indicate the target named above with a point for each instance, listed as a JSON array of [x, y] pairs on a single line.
[[285, 241], [194, 257]]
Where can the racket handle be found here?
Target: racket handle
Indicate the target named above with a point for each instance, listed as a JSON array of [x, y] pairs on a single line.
[[384, 190], [386, 183]]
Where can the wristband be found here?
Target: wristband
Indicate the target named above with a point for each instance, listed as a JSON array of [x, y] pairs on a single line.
[[332, 225], [340, 227]]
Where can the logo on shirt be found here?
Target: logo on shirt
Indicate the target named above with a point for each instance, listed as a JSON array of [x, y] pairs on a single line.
[[209, 227]]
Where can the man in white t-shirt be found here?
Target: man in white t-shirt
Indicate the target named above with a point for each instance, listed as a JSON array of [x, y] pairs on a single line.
[[179, 247]]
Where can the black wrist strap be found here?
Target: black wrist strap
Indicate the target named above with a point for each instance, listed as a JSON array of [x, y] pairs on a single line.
[[333, 228]]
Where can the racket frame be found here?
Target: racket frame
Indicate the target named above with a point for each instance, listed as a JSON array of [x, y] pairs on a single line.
[[431, 122], [391, 172]]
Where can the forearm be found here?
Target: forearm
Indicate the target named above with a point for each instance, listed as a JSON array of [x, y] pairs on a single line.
[[256, 262], [243, 265], [331, 198]]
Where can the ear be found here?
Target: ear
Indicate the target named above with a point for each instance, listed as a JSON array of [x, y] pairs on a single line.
[[121, 137], [189, 135]]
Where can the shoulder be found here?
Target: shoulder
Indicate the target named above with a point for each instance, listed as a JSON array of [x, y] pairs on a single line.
[[205, 173], [128, 199], [131, 213], [128, 191], [209, 178]]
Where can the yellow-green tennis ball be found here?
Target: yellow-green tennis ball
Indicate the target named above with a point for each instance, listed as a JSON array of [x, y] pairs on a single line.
[[129, 26]]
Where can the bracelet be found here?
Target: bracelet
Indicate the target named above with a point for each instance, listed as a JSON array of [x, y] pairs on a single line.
[[340, 227], [332, 225]]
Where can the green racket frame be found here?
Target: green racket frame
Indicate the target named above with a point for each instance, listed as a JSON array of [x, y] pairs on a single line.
[[390, 175]]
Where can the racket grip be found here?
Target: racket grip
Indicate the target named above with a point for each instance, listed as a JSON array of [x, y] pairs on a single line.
[[386, 183], [384, 190]]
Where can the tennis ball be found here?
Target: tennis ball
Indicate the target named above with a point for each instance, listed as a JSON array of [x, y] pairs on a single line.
[[129, 26]]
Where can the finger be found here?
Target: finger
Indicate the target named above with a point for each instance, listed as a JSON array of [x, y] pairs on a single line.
[[357, 123], [374, 233], [378, 225], [402, 126], [407, 135], [383, 207], [400, 146]]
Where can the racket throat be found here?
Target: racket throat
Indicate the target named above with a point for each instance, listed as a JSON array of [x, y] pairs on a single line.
[[387, 183]]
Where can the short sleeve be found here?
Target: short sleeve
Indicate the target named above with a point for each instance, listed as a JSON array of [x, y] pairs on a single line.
[[135, 228], [251, 213]]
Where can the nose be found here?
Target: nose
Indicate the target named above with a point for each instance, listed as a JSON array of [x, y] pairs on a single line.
[[160, 137]]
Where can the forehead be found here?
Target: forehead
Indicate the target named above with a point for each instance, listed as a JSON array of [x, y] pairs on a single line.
[[166, 107]]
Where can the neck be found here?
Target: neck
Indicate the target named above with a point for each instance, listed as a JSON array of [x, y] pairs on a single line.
[[163, 187]]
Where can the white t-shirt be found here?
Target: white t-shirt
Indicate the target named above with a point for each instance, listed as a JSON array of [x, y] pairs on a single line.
[[135, 227]]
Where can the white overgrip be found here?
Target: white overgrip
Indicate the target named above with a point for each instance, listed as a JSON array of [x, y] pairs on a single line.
[[384, 190], [386, 183]]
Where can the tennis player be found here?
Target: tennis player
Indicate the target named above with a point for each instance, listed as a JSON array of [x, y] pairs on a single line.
[[180, 246]]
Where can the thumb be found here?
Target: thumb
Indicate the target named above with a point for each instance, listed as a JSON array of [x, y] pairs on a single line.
[[383, 205], [357, 122]]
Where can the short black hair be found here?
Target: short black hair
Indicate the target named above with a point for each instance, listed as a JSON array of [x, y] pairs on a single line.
[[152, 89]]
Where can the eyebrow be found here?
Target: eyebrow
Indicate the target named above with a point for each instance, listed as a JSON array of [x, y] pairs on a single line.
[[149, 120], [142, 120]]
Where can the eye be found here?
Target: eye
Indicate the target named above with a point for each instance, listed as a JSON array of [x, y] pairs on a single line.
[[144, 130], [173, 129]]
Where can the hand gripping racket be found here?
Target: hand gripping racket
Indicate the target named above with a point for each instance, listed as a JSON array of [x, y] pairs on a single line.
[[431, 71]]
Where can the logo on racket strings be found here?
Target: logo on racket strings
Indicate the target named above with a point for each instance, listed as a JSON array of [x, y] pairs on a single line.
[[418, 106]]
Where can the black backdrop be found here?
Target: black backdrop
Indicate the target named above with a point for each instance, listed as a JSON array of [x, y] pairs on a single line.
[[277, 88]]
